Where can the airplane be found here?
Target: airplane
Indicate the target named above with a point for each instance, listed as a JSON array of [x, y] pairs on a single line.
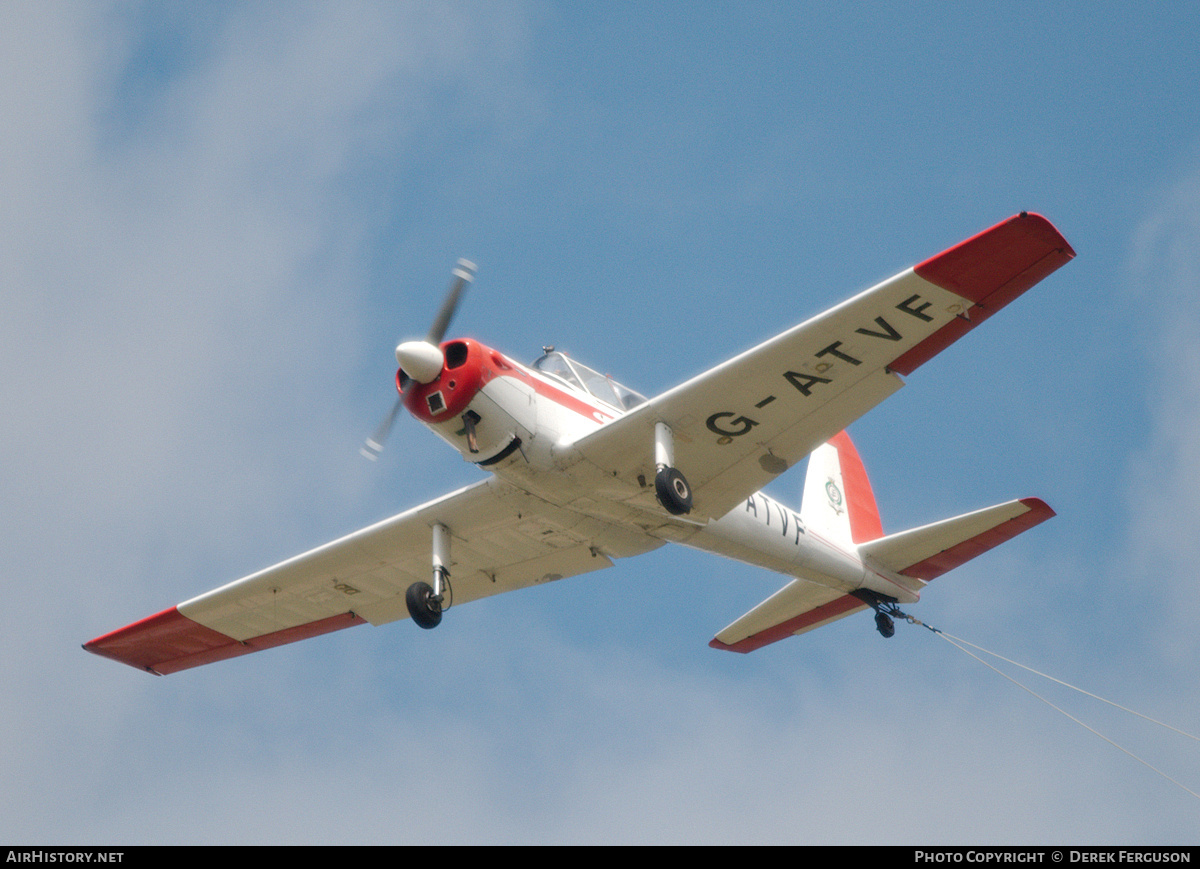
[[585, 471]]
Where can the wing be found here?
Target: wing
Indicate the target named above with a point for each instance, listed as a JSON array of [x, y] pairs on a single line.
[[501, 540], [739, 425]]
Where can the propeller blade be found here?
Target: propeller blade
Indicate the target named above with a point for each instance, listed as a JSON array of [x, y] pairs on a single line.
[[422, 360], [374, 445], [463, 274]]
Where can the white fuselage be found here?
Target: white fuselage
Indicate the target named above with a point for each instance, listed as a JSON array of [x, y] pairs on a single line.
[[527, 422]]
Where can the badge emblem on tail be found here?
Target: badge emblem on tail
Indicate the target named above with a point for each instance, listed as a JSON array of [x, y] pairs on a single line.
[[835, 496]]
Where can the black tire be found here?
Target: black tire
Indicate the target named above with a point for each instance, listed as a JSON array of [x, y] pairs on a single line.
[[885, 625], [421, 607], [673, 491]]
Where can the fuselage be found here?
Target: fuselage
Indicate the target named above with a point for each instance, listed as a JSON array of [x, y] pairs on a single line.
[[521, 422]]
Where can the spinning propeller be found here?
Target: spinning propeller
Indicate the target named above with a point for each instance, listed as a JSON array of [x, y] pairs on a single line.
[[422, 360]]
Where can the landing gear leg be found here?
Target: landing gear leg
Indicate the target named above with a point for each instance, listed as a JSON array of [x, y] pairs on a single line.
[[885, 608], [425, 602], [670, 486]]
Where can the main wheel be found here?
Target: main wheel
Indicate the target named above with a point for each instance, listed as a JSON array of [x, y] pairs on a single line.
[[884, 624], [673, 491], [422, 608]]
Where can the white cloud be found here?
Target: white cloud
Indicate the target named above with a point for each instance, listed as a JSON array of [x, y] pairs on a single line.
[[1165, 504], [183, 289]]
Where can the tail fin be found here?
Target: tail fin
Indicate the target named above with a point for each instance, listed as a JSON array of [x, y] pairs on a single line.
[[838, 501]]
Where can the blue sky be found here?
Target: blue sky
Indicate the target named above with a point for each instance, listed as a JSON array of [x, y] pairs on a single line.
[[219, 219]]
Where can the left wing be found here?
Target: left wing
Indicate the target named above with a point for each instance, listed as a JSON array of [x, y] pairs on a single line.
[[501, 540], [739, 425]]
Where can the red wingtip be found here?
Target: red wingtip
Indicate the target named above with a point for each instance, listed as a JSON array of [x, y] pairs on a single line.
[[169, 641], [165, 636], [989, 270], [1019, 252]]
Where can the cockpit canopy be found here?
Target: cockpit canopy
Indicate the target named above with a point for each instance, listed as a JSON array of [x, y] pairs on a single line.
[[594, 383]]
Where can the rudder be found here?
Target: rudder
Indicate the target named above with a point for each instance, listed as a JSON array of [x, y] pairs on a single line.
[[838, 500]]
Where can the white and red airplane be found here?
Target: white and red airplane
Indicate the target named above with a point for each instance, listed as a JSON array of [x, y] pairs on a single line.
[[585, 471]]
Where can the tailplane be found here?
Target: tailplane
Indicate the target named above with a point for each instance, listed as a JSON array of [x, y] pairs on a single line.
[[839, 506], [927, 552]]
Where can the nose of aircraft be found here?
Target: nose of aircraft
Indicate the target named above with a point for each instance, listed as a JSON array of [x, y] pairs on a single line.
[[420, 360]]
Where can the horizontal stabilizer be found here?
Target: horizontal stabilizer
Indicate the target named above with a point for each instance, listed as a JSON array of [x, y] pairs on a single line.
[[798, 607], [922, 553], [926, 553]]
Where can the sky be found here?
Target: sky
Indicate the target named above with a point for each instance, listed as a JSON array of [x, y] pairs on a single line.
[[218, 219]]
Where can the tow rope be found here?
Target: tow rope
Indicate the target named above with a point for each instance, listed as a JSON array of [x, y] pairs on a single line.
[[962, 644]]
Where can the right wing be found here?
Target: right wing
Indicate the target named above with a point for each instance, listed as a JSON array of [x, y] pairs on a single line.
[[739, 425], [501, 540]]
